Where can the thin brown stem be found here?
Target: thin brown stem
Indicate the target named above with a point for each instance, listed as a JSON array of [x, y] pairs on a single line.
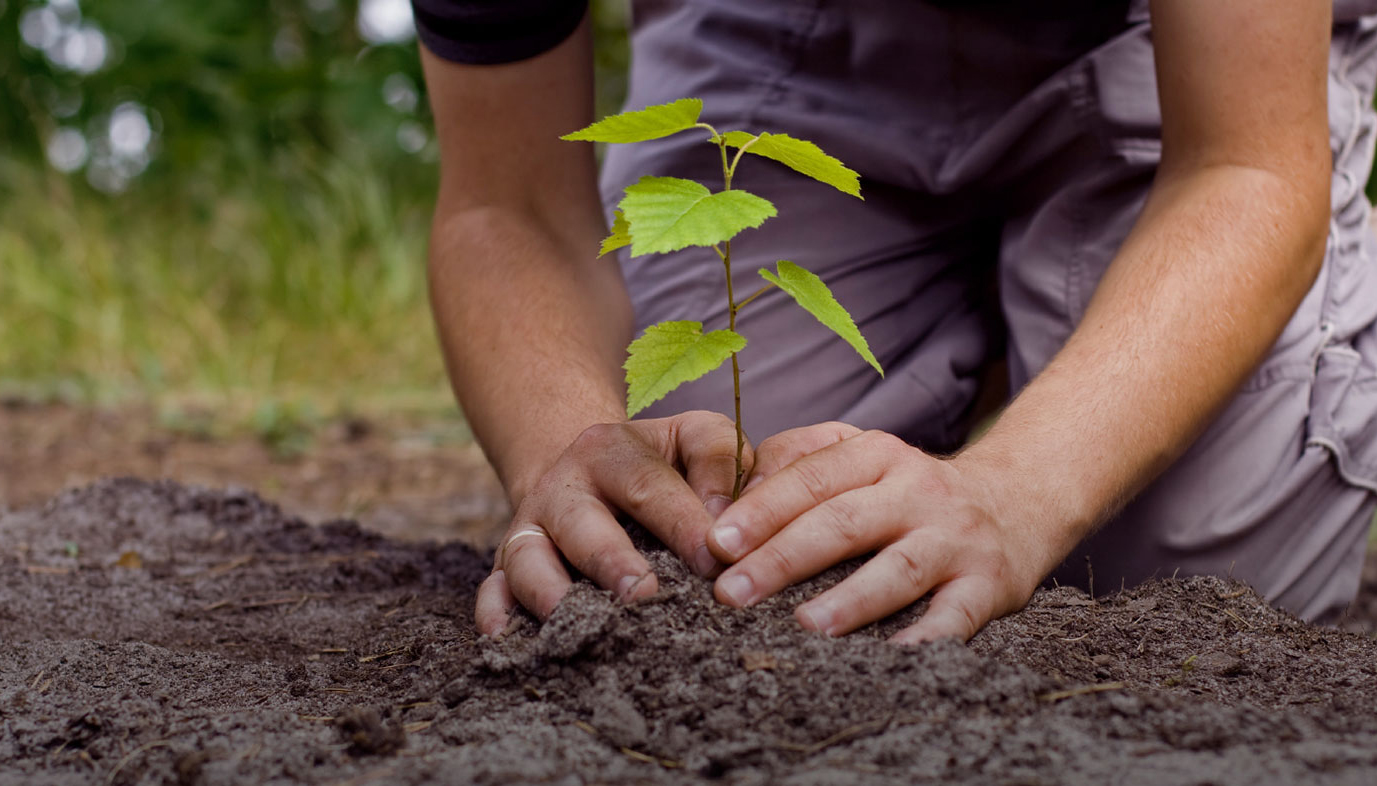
[[732, 308], [753, 296]]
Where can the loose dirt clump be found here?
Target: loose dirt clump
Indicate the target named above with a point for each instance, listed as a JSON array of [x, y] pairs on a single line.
[[154, 633]]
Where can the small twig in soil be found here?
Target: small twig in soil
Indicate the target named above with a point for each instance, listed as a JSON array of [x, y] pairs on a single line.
[[217, 571], [381, 655], [1081, 637], [1229, 612], [338, 690], [1232, 595], [47, 570], [317, 718], [412, 728], [245, 605], [585, 727], [669, 764], [399, 665], [261, 604], [845, 735], [1084, 690], [413, 705], [131, 754]]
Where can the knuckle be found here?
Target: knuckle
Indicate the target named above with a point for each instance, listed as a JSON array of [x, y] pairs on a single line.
[[966, 617], [780, 565], [882, 442], [841, 429], [641, 487], [812, 478], [910, 568], [844, 518]]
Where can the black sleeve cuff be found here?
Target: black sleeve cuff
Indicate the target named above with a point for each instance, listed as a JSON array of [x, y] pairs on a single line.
[[488, 32]]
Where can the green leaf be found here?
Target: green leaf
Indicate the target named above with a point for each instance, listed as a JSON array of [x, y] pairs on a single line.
[[619, 236], [817, 300], [669, 213], [801, 156], [652, 122], [669, 354]]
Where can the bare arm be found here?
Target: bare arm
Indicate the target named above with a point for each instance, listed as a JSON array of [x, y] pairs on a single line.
[[533, 325], [534, 329], [1228, 244]]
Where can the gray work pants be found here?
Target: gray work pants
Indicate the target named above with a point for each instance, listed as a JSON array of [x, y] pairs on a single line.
[[1006, 150]]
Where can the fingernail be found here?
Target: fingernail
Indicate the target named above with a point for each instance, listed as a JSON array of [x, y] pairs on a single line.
[[628, 585], [716, 504], [755, 481], [819, 617], [738, 588], [703, 561], [730, 540]]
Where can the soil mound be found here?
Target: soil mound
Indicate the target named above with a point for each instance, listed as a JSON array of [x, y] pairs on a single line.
[[154, 633]]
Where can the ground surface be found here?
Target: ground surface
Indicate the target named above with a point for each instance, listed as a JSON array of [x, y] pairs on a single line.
[[151, 633], [410, 480]]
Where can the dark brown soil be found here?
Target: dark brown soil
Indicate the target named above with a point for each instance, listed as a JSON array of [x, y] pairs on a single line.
[[153, 633]]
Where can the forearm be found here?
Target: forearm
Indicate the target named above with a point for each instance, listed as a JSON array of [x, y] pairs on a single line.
[[533, 325], [1199, 292], [533, 328]]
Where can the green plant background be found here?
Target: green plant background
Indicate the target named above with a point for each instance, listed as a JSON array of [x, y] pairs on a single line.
[[269, 250]]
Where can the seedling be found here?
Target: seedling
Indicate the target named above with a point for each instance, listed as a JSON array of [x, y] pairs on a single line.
[[663, 214]]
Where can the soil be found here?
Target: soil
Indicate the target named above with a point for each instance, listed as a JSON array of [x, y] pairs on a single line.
[[156, 633], [409, 478]]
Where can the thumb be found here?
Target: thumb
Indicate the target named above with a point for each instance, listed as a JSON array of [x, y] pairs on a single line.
[[707, 443]]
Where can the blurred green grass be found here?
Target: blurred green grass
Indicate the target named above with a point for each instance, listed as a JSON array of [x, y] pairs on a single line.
[[271, 258], [311, 289]]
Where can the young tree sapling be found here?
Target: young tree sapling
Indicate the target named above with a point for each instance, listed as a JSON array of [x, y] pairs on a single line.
[[663, 214]]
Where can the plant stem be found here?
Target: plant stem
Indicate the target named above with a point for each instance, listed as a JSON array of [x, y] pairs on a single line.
[[732, 307], [753, 296]]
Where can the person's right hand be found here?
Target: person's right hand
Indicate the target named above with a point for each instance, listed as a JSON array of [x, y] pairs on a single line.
[[633, 468]]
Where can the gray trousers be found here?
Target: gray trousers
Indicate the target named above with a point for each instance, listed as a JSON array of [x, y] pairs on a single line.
[[1006, 149]]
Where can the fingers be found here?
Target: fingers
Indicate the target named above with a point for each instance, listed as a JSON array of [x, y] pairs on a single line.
[[803, 484], [957, 611], [706, 446], [588, 535], [890, 581], [628, 473], [533, 573], [786, 447], [840, 528], [494, 605]]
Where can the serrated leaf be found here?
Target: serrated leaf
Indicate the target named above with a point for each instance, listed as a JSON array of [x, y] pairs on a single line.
[[669, 354], [817, 299], [641, 125], [669, 213], [801, 156], [619, 236]]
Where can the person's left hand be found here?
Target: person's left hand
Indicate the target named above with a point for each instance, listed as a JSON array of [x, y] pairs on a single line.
[[823, 494]]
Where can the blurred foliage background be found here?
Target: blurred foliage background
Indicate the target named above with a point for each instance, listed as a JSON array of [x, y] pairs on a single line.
[[222, 203]]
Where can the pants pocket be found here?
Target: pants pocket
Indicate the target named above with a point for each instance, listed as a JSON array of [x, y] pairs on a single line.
[[1343, 412]]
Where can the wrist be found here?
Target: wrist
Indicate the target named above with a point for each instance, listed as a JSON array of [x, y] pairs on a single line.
[[523, 466], [1039, 512]]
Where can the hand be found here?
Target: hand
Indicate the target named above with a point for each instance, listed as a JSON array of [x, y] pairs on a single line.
[[823, 494], [610, 468]]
